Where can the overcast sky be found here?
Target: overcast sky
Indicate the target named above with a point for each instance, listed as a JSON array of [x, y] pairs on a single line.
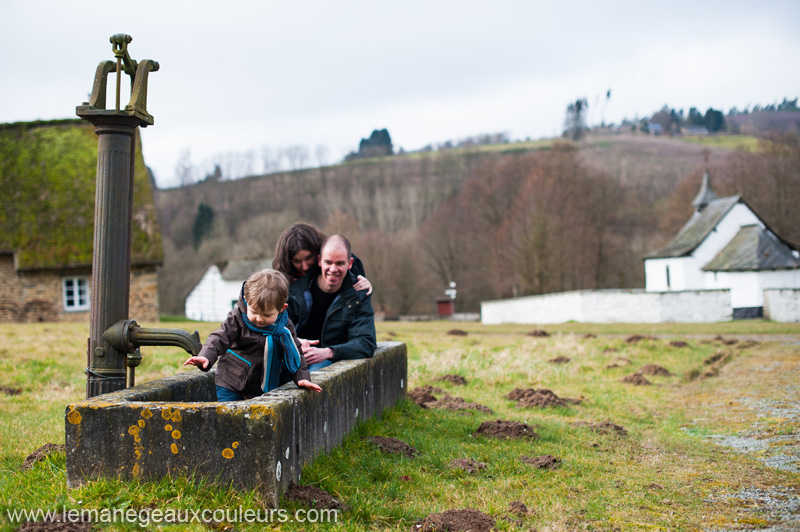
[[240, 75]]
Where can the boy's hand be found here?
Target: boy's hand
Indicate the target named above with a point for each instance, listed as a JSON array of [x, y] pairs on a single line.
[[310, 385], [200, 362]]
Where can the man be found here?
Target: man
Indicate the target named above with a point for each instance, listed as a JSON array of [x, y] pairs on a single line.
[[334, 321]]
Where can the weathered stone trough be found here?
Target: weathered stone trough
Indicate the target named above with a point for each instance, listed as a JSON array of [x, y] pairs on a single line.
[[174, 426]]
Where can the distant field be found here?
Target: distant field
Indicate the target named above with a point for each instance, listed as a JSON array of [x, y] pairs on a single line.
[[723, 141], [668, 455]]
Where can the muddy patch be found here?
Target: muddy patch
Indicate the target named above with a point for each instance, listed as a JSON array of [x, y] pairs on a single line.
[[542, 398], [468, 519], [637, 379], [603, 427], [457, 332], [56, 525], [542, 462], [559, 360], [7, 390], [458, 380], [394, 446], [40, 454], [726, 341], [421, 396], [313, 497], [636, 338], [517, 508], [589, 336], [619, 362], [448, 402], [746, 344], [711, 366], [655, 370], [679, 344], [539, 333], [469, 465], [506, 429]]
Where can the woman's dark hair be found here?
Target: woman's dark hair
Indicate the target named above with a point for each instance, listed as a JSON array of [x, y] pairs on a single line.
[[298, 237]]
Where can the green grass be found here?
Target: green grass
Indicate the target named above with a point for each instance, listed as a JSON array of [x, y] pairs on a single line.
[[723, 141], [664, 474]]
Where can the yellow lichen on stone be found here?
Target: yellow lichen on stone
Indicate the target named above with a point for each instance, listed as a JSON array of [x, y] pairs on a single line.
[[168, 427], [227, 453], [74, 416], [166, 413], [176, 434], [235, 444], [146, 413], [141, 423], [174, 448], [133, 430]]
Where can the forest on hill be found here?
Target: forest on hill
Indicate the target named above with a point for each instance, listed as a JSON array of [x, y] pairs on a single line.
[[518, 220]]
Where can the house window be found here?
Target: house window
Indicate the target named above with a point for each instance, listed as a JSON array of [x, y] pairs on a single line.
[[668, 284], [76, 293]]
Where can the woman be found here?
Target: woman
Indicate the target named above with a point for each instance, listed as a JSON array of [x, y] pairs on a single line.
[[297, 250]]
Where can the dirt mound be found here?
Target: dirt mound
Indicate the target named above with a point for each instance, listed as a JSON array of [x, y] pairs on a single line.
[[559, 360], [726, 341], [539, 333], [466, 520], [467, 464], [506, 429], [653, 369], [458, 380], [518, 508], [528, 397], [40, 454], [678, 343], [746, 344], [457, 332], [7, 390], [542, 462], [56, 525], [457, 403], [618, 362], [715, 362], [421, 396], [637, 379], [604, 427], [394, 446], [313, 497], [610, 350], [589, 336]]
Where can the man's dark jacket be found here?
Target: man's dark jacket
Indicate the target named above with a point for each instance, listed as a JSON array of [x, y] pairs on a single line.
[[349, 326]]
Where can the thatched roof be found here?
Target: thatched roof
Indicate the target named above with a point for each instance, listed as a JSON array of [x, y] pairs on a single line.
[[47, 188]]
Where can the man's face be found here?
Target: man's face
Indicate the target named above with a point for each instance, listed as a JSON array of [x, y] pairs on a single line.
[[334, 263]]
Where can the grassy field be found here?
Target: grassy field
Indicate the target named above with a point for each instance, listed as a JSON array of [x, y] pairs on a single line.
[[680, 464]]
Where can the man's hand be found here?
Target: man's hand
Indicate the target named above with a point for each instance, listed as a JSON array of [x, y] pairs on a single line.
[[310, 385], [305, 345], [200, 362], [317, 354]]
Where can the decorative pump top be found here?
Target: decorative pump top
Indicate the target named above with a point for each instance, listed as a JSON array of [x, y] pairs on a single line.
[[138, 72], [706, 194]]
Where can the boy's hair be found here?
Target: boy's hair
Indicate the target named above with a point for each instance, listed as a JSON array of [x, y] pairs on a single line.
[[266, 290]]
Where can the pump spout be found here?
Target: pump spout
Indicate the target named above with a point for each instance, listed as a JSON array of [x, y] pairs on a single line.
[[127, 335]]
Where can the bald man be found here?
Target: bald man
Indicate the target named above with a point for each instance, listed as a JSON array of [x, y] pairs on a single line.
[[334, 321]]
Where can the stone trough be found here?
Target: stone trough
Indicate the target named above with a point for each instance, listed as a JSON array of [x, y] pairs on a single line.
[[174, 426]]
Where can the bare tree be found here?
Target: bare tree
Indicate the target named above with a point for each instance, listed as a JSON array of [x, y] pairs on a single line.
[[184, 169]]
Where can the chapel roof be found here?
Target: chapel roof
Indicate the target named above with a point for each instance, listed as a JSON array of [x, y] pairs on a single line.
[[241, 269], [754, 248]]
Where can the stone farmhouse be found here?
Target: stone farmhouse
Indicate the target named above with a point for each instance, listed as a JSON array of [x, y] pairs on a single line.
[[725, 263], [47, 185], [216, 293]]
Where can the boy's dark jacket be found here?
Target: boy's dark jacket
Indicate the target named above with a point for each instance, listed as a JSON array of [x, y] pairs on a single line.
[[349, 327], [241, 355]]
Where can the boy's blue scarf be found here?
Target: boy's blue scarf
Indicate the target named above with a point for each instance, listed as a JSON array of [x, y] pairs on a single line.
[[291, 356]]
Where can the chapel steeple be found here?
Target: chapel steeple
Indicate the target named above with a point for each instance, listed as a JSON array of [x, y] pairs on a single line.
[[706, 194]]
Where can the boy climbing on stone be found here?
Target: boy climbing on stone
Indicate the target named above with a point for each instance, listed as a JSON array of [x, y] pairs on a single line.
[[256, 345]]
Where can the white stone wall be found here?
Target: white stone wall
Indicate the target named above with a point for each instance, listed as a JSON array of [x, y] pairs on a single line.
[[782, 304], [212, 298], [611, 306]]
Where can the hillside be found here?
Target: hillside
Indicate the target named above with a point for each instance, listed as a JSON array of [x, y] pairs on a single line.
[[402, 213]]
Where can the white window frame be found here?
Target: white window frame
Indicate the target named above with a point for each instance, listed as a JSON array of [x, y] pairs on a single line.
[[76, 302]]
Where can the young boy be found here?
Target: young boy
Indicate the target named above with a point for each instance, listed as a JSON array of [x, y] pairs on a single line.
[[256, 345]]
